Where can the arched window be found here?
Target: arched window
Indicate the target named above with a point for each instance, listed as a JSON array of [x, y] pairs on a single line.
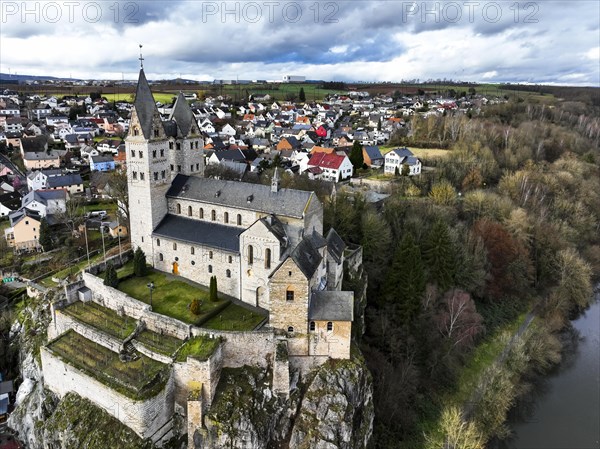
[[291, 329], [210, 254], [329, 326], [210, 268], [178, 208], [228, 273], [174, 246], [229, 259], [312, 326], [201, 213], [160, 257], [192, 250], [157, 242], [250, 255], [213, 215], [239, 219], [189, 211], [226, 217], [267, 258], [289, 294]]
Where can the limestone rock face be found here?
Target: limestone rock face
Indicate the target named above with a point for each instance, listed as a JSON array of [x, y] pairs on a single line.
[[333, 410]]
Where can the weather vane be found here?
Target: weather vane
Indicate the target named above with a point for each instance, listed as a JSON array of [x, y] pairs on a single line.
[[141, 58]]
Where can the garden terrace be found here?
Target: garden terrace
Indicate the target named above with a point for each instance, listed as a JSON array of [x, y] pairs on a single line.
[[235, 318], [139, 379], [161, 344], [101, 318], [200, 348], [171, 297]]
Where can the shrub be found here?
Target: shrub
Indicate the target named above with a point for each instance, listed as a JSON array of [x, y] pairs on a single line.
[[110, 277], [195, 307]]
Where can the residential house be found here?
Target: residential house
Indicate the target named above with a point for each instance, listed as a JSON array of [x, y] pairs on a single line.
[[395, 159], [24, 231], [45, 202], [37, 179], [102, 163], [116, 229], [333, 167], [41, 160], [372, 156]]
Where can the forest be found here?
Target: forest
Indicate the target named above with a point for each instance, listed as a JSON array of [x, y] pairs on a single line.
[[476, 266]]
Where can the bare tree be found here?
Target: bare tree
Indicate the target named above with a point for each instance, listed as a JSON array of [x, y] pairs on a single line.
[[117, 183], [458, 319], [72, 216]]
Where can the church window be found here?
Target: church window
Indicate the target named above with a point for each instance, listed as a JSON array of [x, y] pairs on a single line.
[[312, 326], [197, 167], [178, 168], [156, 176], [226, 217], [189, 211], [210, 268], [179, 145], [239, 219], [154, 153], [172, 167], [141, 154], [132, 153], [136, 132], [178, 208], [156, 133], [289, 273], [210, 254], [163, 174], [157, 242], [193, 262], [191, 167], [160, 257], [201, 213], [329, 326], [134, 174], [228, 273], [267, 258], [197, 145], [289, 295], [192, 250], [230, 259], [250, 254], [170, 145], [291, 329], [213, 215], [174, 246], [162, 153], [141, 176]]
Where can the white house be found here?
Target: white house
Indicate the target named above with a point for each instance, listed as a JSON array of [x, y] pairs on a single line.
[[330, 167], [398, 157]]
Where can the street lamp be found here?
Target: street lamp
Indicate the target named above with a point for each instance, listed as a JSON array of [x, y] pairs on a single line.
[[150, 285]]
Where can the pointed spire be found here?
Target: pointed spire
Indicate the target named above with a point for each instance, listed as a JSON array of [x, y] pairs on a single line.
[[144, 105], [182, 114], [275, 181]]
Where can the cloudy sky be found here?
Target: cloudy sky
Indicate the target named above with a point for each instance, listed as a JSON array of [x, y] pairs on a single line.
[[554, 42]]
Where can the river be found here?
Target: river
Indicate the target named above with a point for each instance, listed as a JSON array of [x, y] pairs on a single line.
[[563, 410]]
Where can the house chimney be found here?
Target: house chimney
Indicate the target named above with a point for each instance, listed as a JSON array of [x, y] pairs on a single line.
[[275, 182]]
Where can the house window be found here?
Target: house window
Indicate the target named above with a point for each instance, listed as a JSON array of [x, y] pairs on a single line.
[[132, 153], [201, 213], [156, 176], [239, 219], [267, 258], [26, 222], [189, 211], [162, 153], [289, 295], [312, 326], [226, 217], [170, 145], [141, 176], [192, 250], [154, 153], [157, 242], [210, 254], [250, 254], [178, 208], [228, 273], [290, 329], [213, 215], [160, 257], [141, 154], [329, 326], [210, 268], [174, 246]]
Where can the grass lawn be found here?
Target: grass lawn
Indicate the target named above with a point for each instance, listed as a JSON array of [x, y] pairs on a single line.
[[422, 153], [101, 318], [138, 379], [234, 318], [170, 297], [161, 344], [200, 348], [163, 97]]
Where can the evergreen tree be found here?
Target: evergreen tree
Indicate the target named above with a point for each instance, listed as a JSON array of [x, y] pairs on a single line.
[[356, 155], [405, 170], [439, 256], [302, 95], [45, 235], [213, 288], [110, 276], [405, 284], [139, 263]]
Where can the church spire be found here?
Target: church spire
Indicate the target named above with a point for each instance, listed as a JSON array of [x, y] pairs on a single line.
[[144, 105]]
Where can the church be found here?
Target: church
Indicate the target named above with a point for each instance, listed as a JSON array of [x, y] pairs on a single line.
[[265, 244]]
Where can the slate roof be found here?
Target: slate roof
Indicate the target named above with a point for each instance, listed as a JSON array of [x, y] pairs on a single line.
[[373, 152], [99, 160], [144, 105], [241, 195], [317, 240], [335, 245], [402, 152], [34, 144], [182, 114], [65, 180], [11, 200], [42, 155], [331, 306], [306, 257], [276, 227], [199, 232]]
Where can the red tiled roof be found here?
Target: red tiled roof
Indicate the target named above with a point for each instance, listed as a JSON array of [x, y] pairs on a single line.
[[324, 160]]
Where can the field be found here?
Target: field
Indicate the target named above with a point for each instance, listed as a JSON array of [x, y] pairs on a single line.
[[137, 379], [101, 318], [422, 153]]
